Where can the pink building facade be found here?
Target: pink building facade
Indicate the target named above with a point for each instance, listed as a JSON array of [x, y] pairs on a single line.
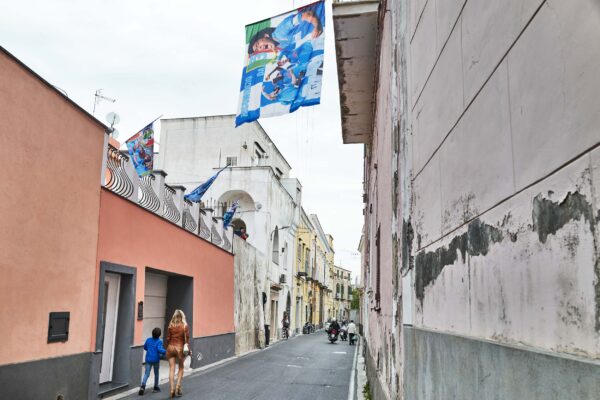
[[92, 260]]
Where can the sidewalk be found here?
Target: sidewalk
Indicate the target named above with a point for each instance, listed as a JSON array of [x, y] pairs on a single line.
[[360, 371], [164, 369]]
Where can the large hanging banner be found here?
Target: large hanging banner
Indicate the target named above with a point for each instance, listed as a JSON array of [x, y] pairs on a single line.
[[283, 68]]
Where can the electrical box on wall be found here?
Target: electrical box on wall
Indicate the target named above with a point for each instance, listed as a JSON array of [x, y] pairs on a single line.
[[140, 310], [58, 327]]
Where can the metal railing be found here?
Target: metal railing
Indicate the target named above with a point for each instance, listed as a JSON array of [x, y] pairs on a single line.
[[170, 212], [152, 193], [148, 199], [118, 180]]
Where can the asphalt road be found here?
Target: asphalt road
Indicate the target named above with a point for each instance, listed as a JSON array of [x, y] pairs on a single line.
[[305, 367]]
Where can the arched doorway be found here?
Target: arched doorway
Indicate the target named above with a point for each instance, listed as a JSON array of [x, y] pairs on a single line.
[[245, 214]]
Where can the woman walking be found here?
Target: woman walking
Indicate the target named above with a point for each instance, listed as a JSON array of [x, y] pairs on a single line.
[[178, 347]]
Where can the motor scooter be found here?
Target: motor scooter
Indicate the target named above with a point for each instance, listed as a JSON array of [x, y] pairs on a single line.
[[343, 334], [333, 335]]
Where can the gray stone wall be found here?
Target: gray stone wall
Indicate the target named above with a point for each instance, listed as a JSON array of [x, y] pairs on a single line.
[[444, 366], [48, 378]]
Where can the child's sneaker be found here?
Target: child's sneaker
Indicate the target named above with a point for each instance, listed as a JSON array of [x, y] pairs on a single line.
[[142, 388], [156, 389]]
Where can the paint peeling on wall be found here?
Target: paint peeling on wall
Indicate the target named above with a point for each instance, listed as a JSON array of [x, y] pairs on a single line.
[[548, 218]]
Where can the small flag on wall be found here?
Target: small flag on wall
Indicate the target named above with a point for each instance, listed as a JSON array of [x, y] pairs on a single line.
[[196, 195], [141, 150], [230, 213], [284, 64]]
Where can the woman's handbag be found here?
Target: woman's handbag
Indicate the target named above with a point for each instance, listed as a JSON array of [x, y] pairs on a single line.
[[186, 348]]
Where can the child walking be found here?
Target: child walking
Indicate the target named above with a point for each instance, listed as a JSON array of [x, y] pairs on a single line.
[[154, 349]]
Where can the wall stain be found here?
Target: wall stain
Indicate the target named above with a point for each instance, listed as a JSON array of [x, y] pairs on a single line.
[[408, 235], [548, 218]]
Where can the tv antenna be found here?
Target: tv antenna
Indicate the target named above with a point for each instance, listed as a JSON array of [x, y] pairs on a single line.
[[113, 119], [98, 97]]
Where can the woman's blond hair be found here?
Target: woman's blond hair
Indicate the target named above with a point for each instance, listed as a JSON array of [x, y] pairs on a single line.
[[178, 319]]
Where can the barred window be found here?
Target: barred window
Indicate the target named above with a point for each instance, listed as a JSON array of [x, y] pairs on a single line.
[[231, 161]]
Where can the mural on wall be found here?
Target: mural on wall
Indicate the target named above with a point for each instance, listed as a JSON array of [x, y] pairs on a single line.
[[283, 66]]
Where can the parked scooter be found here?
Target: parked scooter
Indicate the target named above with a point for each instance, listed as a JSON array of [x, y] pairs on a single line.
[[333, 335]]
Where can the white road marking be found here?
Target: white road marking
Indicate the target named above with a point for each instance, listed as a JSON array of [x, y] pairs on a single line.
[[339, 352], [294, 366]]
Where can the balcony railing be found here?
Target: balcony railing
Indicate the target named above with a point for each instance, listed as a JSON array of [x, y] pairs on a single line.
[[152, 193]]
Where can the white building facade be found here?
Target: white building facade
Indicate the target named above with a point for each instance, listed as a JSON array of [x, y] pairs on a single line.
[[194, 149]]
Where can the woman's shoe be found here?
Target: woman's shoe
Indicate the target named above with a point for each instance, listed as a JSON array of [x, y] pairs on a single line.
[[178, 391], [172, 393]]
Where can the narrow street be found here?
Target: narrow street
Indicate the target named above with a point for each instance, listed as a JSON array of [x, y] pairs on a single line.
[[306, 367]]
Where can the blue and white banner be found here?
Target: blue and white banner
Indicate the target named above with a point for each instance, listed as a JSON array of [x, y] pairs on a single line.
[[230, 213], [284, 64]]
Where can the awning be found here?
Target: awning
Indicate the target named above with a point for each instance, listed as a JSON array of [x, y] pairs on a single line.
[[355, 24]]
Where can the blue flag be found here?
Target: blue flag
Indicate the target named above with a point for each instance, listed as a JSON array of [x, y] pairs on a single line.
[[229, 214], [196, 194]]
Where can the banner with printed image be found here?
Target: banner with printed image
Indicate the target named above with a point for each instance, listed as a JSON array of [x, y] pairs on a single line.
[[141, 150], [283, 67]]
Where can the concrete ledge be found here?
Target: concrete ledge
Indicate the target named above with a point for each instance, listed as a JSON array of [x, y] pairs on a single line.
[[445, 366], [47, 378], [210, 349]]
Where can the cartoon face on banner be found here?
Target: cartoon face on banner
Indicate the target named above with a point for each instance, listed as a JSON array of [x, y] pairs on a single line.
[[284, 64], [141, 150]]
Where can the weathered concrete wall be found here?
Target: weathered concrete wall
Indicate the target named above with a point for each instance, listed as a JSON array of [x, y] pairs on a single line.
[[504, 214], [250, 274], [482, 176], [381, 330]]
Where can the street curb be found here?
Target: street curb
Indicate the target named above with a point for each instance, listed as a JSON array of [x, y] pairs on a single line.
[[361, 372]]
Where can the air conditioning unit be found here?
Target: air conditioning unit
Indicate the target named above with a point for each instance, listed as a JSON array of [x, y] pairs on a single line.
[[282, 278]]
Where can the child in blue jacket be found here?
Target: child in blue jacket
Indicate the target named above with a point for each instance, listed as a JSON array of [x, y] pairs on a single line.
[[154, 349]]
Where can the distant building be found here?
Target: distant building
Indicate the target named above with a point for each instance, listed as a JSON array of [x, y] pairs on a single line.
[[342, 291]]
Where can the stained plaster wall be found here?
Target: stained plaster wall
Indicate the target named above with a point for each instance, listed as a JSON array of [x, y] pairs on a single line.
[[250, 274], [505, 210], [487, 111], [380, 325]]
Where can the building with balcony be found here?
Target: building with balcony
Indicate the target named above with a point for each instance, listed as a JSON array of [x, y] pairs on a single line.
[[342, 292], [303, 271]]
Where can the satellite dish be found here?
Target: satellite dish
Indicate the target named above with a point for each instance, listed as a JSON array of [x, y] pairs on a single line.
[[113, 118], [114, 134]]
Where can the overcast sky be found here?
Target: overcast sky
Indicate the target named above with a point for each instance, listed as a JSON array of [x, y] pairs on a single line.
[[182, 59]]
